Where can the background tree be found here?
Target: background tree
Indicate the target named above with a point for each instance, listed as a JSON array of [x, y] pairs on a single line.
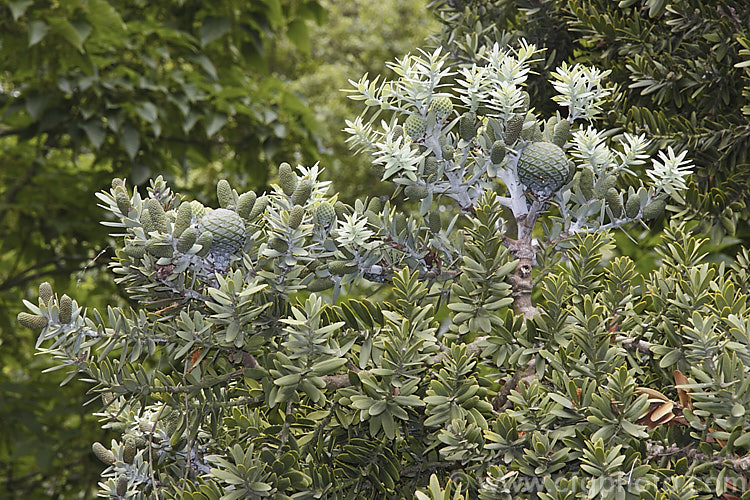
[[237, 375], [682, 68], [93, 89]]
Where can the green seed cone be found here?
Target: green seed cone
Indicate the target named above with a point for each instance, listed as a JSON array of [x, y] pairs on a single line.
[[561, 134], [295, 216], [287, 179], [320, 284], [586, 182], [279, 244], [325, 214], [433, 222], [375, 205], [342, 267], [187, 240], [302, 193], [183, 218], [430, 167], [123, 200], [227, 228], [416, 192], [654, 209], [245, 204], [129, 450], [224, 193], [614, 202], [146, 222], [513, 129], [258, 207], [633, 205], [159, 248], [45, 292], [543, 168], [134, 251], [497, 153], [604, 185], [415, 126], [443, 106], [205, 239], [103, 453], [122, 485], [467, 126], [66, 309], [158, 216], [32, 321]]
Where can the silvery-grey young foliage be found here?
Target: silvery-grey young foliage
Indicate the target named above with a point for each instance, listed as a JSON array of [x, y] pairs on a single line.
[[451, 154]]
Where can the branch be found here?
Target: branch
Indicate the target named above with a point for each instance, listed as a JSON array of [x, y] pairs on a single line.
[[736, 463], [632, 344]]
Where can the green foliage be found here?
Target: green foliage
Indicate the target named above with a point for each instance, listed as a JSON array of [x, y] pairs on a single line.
[[236, 374]]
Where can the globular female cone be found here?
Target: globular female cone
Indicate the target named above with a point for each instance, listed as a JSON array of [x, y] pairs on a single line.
[[122, 199], [342, 267], [513, 129], [561, 133], [654, 209], [227, 228], [187, 240], [416, 192], [32, 321], [442, 105], [325, 213], [66, 309], [45, 292], [103, 453], [586, 183], [467, 126], [302, 192], [224, 193], [415, 126], [258, 207], [287, 179], [245, 204], [614, 202], [633, 205], [497, 153], [183, 218], [158, 216], [205, 239], [543, 168], [295, 216], [320, 284]]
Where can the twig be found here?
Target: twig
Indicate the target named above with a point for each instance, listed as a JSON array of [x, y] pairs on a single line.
[[738, 464]]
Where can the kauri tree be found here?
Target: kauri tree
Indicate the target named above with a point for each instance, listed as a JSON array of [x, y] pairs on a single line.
[[484, 345]]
